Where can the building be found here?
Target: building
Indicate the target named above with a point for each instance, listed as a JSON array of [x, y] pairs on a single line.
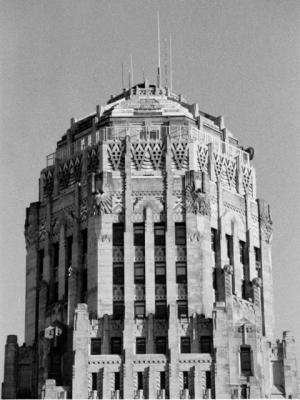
[[148, 268]]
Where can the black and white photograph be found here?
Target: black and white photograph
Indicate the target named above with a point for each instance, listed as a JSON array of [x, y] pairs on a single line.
[[150, 219]]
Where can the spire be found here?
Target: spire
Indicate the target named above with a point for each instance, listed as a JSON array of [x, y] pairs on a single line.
[[158, 49]]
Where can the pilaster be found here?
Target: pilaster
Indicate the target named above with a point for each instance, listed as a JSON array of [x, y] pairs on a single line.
[[149, 263]]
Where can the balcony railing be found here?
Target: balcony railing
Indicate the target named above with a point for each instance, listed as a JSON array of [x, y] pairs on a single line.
[[151, 134]]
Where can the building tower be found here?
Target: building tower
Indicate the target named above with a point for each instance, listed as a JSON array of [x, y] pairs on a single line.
[[148, 267]]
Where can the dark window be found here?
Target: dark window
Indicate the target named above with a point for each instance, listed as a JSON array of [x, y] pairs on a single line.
[[95, 346], [229, 246], [185, 344], [257, 254], [84, 285], [117, 380], [55, 255], [214, 240], [94, 381], [181, 273], [41, 256], [160, 272], [84, 238], [162, 380], [161, 344], [159, 235], [182, 308], [208, 379], [180, 234], [140, 381], [69, 250], [242, 252], [140, 345], [55, 291], [139, 273], [245, 392], [185, 380], [118, 235], [246, 360], [205, 344], [160, 309], [139, 309], [139, 234], [116, 345], [118, 274], [118, 310]]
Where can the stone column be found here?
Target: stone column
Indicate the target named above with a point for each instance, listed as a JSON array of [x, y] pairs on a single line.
[[152, 389], [290, 366], [80, 348], [149, 264], [265, 225], [198, 390], [128, 337], [199, 274], [9, 390], [173, 370], [31, 236], [62, 262]]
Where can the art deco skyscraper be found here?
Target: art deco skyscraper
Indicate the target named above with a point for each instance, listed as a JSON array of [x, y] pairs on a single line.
[[148, 268]]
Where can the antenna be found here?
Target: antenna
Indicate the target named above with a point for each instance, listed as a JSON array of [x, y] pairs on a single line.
[[143, 75], [129, 79], [123, 86], [131, 68], [166, 61], [171, 67], [158, 48]]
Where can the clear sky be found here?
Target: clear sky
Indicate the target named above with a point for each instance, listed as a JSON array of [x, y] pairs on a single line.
[[240, 59]]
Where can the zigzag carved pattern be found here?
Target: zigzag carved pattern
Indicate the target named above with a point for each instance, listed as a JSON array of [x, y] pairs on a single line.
[[202, 155], [156, 152], [179, 151], [230, 171], [219, 161], [116, 154], [138, 151]]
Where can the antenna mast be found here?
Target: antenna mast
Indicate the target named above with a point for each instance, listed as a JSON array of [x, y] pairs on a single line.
[[171, 67], [131, 68], [123, 86], [158, 48]]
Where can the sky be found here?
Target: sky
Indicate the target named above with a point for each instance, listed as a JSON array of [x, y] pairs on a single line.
[[239, 59]]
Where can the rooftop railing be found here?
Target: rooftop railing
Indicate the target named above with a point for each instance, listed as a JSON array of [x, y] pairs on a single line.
[[151, 133]]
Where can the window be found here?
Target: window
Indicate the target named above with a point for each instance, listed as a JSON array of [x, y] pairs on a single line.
[[185, 344], [41, 256], [180, 235], [140, 346], [161, 344], [94, 381], [118, 235], [117, 380], [229, 245], [208, 379], [160, 309], [139, 234], [160, 272], [116, 345], [246, 360], [55, 255], [242, 252], [69, 250], [84, 285], [159, 235], [257, 254], [84, 243], [245, 392], [139, 309], [118, 310], [214, 238], [182, 308], [181, 273], [95, 346], [139, 273], [140, 381], [118, 274], [185, 380], [162, 380], [205, 344]]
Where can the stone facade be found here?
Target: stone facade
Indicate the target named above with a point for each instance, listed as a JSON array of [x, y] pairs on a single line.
[[148, 267]]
